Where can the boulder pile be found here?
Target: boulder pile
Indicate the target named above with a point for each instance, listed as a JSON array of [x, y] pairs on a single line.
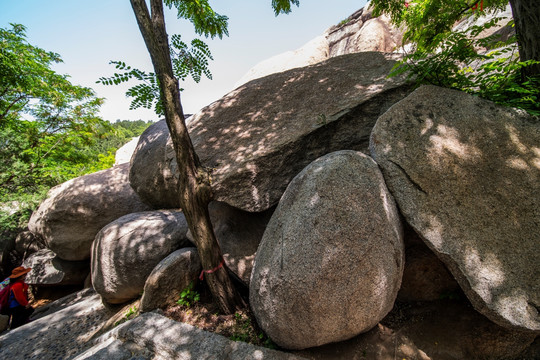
[[338, 191]]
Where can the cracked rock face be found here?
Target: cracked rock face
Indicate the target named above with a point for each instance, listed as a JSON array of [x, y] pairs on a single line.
[[466, 176]]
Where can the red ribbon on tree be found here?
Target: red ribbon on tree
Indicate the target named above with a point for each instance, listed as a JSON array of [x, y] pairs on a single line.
[[475, 6], [211, 271]]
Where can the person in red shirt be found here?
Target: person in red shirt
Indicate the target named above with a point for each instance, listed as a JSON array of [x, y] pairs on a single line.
[[18, 308]]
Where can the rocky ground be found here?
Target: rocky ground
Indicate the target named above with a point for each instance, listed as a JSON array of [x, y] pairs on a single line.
[[80, 323]]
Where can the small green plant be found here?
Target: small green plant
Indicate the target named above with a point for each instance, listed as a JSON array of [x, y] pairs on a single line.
[[132, 310], [344, 21], [127, 315], [246, 331], [189, 296]]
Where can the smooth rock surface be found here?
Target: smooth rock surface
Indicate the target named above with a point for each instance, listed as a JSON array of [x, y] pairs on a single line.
[[74, 212], [330, 263], [259, 136], [49, 269], [126, 251], [153, 336], [149, 172], [167, 280], [466, 175]]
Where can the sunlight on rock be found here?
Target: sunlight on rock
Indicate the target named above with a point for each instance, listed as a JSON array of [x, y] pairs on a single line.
[[486, 267], [516, 308], [427, 126], [448, 141], [517, 163], [512, 132], [315, 199], [434, 232]]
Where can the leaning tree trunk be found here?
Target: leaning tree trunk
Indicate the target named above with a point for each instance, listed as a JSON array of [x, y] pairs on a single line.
[[527, 22], [194, 182]]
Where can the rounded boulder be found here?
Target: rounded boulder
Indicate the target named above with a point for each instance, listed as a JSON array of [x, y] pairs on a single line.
[[330, 262], [126, 251]]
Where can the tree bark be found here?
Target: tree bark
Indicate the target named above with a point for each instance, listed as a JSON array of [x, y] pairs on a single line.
[[194, 182], [526, 15]]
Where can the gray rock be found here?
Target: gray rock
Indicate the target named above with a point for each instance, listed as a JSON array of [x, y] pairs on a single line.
[[49, 269], [60, 335], [239, 234], [69, 219], [362, 32], [167, 339], [149, 172], [125, 251], [259, 136], [330, 263], [167, 280], [466, 175]]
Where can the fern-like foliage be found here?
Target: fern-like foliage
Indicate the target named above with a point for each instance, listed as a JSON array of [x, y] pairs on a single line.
[[186, 62], [283, 6], [459, 63], [204, 19]]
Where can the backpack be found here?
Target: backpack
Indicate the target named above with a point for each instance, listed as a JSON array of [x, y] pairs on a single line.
[[5, 287]]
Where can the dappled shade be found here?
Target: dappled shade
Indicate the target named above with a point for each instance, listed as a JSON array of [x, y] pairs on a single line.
[[466, 175]]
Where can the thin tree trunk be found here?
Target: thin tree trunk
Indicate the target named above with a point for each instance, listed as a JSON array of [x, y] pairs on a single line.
[[527, 23], [194, 184]]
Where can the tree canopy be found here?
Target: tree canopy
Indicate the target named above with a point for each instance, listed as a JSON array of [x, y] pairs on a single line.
[[489, 66], [44, 118]]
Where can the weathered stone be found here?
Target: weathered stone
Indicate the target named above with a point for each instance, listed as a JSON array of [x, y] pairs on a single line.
[[126, 251], [466, 175], [153, 336], [123, 155], [149, 172], [377, 34], [167, 280], [74, 212], [49, 269], [313, 52], [330, 263], [259, 136], [239, 234]]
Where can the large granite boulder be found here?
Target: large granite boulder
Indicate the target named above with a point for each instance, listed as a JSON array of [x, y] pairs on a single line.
[[313, 52], [359, 32], [150, 174], [239, 234], [167, 280], [259, 136], [49, 269], [126, 251], [330, 263], [466, 175], [69, 219]]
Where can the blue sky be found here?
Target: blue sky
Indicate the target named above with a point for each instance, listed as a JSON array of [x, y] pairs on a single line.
[[88, 34]]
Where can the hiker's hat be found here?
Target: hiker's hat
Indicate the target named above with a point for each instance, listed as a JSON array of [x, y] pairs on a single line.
[[19, 271]]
